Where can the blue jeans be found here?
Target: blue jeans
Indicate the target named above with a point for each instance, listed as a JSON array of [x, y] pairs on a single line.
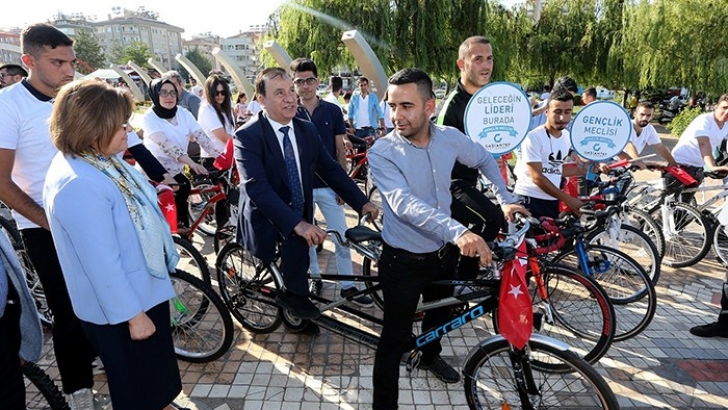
[[366, 132], [325, 199]]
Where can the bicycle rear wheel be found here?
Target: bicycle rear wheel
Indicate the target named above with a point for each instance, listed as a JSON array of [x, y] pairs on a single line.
[[491, 370], [687, 236], [375, 197], [369, 268], [40, 391], [720, 243], [191, 260], [625, 281], [248, 291], [576, 311], [202, 329]]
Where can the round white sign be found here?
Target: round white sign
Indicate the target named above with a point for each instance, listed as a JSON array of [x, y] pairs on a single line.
[[600, 131], [498, 116]]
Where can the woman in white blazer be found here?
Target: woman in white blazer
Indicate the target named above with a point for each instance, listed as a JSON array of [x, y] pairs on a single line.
[[113, 245]]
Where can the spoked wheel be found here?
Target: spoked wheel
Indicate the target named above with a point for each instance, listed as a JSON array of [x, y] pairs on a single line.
[[687, 234], [635, 243], [202, 329], [375, 197], [40, 391], [191, 260], [625, 281], [492, 369], [720, 243], [369, 268], [576, 311], [249, 291], [642, 220], [31, 276], [197, 203]]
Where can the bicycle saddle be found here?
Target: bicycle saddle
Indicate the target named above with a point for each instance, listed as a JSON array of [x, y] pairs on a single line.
[[361, 233]]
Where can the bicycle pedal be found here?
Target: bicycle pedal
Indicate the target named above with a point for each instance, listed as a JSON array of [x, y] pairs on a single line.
[[413, 361]]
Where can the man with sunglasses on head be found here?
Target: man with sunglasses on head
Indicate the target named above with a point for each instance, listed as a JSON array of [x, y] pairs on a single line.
[[11, 74]]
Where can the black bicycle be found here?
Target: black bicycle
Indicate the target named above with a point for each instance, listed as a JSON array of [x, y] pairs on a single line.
[[496, 374]]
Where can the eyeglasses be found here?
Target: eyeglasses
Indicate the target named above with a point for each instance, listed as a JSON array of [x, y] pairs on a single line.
[[165, 93], [307, 81], [220, 92], [6, 75]]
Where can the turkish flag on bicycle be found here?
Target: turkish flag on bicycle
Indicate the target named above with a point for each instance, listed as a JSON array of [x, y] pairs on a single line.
[[515, 311]]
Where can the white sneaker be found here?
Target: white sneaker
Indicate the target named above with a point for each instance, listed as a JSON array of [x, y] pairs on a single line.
[[81, 400], [85, 399]]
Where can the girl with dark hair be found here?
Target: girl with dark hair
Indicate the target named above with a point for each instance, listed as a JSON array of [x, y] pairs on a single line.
[[241, 109], [167, 132], [216, 117]]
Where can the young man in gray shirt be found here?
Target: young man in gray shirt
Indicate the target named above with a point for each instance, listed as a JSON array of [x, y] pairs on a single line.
[[412, 168]]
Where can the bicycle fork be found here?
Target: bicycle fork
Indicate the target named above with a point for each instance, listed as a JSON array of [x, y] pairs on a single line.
[[547, 315], [523, 377]]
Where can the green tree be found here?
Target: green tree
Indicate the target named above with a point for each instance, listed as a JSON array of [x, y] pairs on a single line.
[[199, 59], [87, 49], [676, 43], [136, 51]]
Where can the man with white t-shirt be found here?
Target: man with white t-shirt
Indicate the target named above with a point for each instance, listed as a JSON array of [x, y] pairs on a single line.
[[26, 152], [540, 167], [336, 84], [694, 149], [644, 135]]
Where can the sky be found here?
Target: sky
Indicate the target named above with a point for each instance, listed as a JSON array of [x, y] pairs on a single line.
[[225, 21]]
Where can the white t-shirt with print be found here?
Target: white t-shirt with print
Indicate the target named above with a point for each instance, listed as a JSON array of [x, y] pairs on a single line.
[[687, 150], [550, 151], [24, 128], [209, 121], [176, 134], [647, 137]]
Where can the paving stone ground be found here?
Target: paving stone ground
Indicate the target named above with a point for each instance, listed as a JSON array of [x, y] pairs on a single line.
[[664, 367]]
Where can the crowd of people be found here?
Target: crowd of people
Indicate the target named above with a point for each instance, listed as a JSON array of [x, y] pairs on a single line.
[[103, 250]]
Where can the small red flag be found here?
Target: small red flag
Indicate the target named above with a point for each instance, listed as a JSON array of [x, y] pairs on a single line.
[[515, 311], [165, 199]]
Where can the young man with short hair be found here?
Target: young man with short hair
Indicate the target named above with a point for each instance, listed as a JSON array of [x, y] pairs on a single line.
[[589, 96], [540, 167], [26, 152], [330, 125], [364, 112], [412, 167]]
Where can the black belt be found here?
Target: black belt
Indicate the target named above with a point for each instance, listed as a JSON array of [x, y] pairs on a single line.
[[435, 255]]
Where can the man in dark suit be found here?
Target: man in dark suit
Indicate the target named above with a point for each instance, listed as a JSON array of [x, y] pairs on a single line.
[[277, 155]]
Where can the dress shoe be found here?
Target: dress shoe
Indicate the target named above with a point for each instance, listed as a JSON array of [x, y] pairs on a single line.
[[710, 330], [298, 305]]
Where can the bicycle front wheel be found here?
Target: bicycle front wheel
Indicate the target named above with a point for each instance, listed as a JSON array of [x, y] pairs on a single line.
[[576, 311], [493, 369], [625, 281], [635, 243], [249, 292], [202, 329]]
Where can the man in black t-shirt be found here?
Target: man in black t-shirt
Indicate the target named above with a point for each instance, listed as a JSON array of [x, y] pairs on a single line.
[[469, 206]]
